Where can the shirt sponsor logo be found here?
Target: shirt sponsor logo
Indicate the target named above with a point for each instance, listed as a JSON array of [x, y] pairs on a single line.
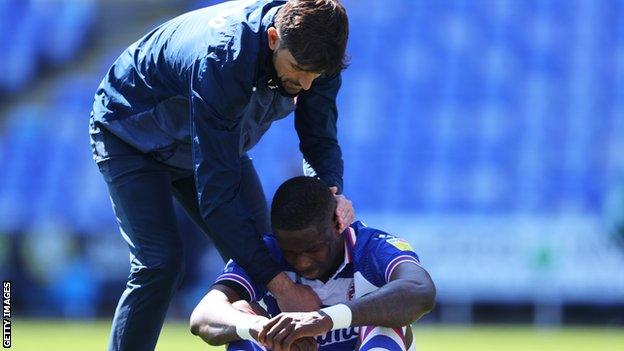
[[340, 335], [400, 244]]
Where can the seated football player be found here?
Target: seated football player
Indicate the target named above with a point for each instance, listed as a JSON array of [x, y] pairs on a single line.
[[370, 284]]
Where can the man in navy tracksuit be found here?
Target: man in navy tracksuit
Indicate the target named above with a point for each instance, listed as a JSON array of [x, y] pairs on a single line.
[[174, 117]]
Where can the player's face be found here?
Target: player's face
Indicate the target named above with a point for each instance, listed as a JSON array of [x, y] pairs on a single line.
[[313, 253], [294, 78]]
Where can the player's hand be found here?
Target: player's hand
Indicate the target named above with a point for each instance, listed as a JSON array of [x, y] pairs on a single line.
[[293, 297], [345, 214], [257, 327], [283, 330]]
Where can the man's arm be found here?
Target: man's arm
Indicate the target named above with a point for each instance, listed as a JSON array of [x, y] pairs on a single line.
[[316, 116], [215, 318], [216, 95], [215, 129], [409, 294]]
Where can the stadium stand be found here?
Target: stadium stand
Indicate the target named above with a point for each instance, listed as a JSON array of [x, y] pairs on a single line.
[[487, 132], [36, 34]]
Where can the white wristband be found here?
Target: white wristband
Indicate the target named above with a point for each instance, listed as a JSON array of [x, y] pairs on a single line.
[[243, 332], [340, 315]]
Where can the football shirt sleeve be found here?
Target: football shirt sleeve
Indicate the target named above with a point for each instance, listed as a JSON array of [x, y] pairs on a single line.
[[385, 252], [235, 277]]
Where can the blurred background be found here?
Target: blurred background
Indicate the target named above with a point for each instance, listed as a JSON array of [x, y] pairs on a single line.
[[489, 133]]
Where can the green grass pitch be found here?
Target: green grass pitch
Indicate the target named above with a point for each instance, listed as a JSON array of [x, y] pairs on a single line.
[[54, 335]]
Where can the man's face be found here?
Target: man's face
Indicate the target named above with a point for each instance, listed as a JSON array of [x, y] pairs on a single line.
[[294, 77], [314, 253]]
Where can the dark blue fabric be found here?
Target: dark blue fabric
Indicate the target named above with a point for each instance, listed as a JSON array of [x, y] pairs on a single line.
[[194, 94], [243, 345], [142, 191]]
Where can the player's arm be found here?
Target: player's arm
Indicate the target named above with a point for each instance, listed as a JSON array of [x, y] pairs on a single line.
[[215, 319], [406, 293], [409, 294]]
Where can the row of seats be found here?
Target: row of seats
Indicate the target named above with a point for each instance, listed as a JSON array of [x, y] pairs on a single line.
[[38, 34], [427, 124], [482, 106]]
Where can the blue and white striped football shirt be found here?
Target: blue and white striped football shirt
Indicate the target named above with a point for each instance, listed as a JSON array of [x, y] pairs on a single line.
[[370, 257]]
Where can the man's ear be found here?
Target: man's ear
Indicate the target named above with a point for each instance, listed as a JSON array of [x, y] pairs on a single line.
[[274, 38]]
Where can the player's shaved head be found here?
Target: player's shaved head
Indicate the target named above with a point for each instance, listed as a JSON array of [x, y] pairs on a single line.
[[302, 202]]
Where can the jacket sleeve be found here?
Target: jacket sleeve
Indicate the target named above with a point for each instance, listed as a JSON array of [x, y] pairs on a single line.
[[315, 121], [215, 94]]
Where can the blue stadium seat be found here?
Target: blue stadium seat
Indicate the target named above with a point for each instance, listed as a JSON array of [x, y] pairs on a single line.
[[21, 59], [24, 169], [70, 24], [33, 34]]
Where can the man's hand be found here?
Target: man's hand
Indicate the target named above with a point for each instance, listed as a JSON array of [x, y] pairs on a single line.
[[283, 330], [291, 296], [344, 210]]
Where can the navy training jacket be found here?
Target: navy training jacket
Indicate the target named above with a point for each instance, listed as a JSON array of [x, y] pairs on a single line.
[[197, 93]]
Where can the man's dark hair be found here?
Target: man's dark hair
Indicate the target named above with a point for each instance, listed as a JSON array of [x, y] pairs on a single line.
[[302, 202], [315, 32]]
